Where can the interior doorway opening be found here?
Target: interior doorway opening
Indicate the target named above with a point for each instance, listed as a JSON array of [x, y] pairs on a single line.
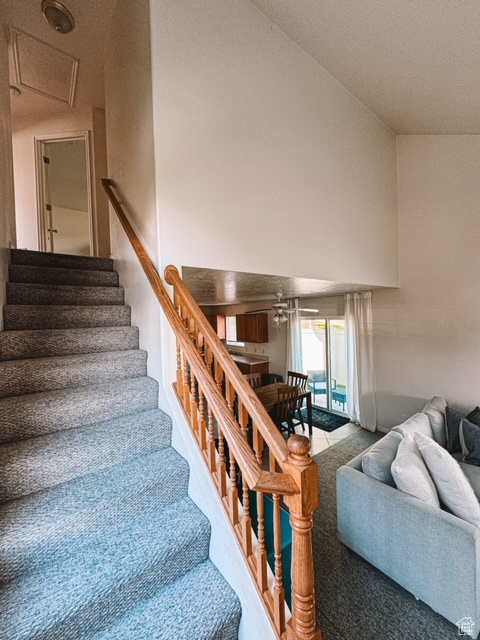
[[64, 194]]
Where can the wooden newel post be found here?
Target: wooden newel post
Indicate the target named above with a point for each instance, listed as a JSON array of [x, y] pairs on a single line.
[[303, 624]]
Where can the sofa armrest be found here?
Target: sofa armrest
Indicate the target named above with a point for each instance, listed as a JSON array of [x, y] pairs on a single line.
[[431, 553]]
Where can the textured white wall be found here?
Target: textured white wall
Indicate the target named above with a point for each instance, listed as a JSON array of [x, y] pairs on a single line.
[[131, 166], [427, 334], [264, 162], [7, 213]]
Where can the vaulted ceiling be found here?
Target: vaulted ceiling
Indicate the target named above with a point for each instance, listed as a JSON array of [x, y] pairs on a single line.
[[414, 63]]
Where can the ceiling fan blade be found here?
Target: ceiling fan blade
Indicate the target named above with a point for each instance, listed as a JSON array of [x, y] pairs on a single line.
[[258, 311], [309, 310]]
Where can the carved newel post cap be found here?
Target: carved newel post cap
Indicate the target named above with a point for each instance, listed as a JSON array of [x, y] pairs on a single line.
[[299, 447]]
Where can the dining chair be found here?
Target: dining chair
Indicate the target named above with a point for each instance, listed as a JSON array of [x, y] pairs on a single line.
[[285, 408], [300, 381], [253, 379]]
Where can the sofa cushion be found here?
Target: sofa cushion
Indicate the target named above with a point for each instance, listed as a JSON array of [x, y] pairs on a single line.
[[377, 460], [474, 416], [453, 419], [417, 423], [470, 442], [452, 486], [435, 410], [411, 474]]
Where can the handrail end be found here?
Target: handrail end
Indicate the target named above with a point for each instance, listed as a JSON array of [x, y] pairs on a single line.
[[171, 270]]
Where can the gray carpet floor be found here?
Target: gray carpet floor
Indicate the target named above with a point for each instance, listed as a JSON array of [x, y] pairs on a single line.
[[355, 601]]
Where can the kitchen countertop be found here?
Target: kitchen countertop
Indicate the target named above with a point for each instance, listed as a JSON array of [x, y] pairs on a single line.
[[245, 358]]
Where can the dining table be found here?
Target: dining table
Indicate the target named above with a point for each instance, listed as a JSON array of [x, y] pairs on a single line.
[[268, 396]]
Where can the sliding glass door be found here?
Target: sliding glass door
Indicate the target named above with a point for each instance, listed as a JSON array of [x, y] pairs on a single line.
[[324, 361]]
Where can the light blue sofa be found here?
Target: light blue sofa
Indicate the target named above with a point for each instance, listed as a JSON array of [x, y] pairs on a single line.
[[430, 552]]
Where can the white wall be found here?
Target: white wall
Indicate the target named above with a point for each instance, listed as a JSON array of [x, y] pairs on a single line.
[[24, 131], [7, 213], [131, 165], [427, 334], [264, 162]]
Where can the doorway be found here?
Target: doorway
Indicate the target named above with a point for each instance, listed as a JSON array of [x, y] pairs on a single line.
[[64, 194], [325, 362]]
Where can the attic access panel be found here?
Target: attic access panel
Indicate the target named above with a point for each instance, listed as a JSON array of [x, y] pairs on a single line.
[[43, 69]]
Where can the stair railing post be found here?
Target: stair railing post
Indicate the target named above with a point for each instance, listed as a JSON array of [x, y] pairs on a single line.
[[302, 625]]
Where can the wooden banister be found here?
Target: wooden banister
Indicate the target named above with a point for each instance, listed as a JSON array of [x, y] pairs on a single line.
[[234, 433]]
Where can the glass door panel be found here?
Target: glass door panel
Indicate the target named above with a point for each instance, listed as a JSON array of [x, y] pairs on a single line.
[[338, 364], [314, 358], [324, 361]]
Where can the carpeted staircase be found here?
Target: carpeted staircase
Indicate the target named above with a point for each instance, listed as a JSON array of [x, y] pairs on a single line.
[[99, 539]]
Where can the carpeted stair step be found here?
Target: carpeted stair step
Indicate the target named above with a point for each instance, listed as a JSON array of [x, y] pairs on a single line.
[[43, 294], [43, 527], [19, 377], [213, 611], [51, 275], [41, 343], [120, 569], [59, 260], [37, 463], [50, 411], [18, 317]]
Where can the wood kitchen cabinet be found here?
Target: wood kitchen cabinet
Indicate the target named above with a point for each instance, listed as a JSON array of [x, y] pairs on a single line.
[[219, 324], [252, 327], [257, 367]]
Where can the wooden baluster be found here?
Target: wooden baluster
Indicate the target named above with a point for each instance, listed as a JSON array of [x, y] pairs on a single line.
[[302, 624], [222, 468], [233, 492], [209, 359], [261, 553], [278, 590], [246, 521], [186, 384], [211, 450], [193, 404], [202, 423], [179, 372], [219, 377]]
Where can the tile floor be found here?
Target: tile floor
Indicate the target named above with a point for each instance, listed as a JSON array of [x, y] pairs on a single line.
[[321, 440]]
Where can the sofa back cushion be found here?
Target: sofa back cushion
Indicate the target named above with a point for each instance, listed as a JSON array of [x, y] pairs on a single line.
[[418, 423], [377, 460], [453, 487], [435, 410], [410, 473]]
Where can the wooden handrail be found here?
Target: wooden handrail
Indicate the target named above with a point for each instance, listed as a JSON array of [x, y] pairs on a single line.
[[216, 398], [257, 479]]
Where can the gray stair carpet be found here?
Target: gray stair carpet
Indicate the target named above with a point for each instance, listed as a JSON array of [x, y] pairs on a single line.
[[99, 539]]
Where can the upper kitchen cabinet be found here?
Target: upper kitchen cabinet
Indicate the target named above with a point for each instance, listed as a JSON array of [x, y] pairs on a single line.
[[252, 327], [219, 324]]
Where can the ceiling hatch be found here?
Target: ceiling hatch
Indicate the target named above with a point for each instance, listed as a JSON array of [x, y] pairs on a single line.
[[43, 69]]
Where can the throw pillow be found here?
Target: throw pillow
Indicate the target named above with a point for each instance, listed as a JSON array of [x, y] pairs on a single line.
[[435, 410], [453, 487], [474, 416], [377, 461], [410, 473], [470, 442], [453, 426], [417, 423]]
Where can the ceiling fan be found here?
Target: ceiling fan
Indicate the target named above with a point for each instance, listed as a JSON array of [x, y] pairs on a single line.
[[281, 310]]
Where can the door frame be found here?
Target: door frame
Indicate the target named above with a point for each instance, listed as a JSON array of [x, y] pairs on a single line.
[[39, 141]]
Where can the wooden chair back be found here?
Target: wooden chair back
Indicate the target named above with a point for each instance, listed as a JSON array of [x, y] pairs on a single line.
[[285, 408], [254, 379], [299, 380]]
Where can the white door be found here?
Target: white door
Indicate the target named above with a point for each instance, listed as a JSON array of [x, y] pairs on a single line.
[[65, 216]]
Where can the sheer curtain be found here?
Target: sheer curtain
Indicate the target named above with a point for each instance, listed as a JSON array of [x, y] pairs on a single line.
[[294, 339], [361, 404]]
